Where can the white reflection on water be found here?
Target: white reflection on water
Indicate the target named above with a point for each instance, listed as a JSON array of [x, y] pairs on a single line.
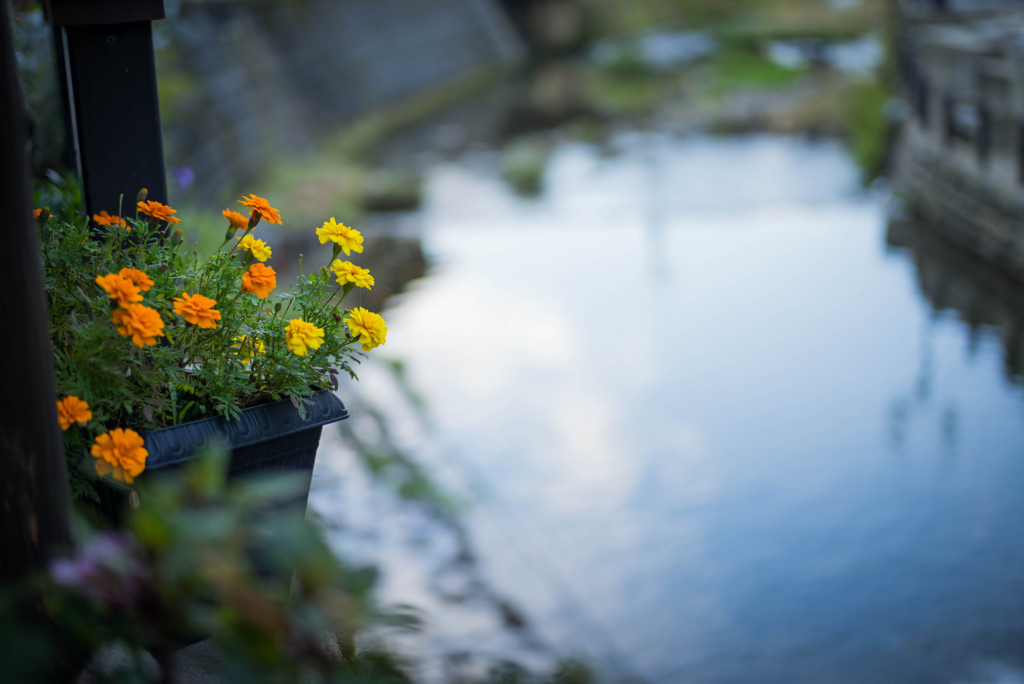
[[719, 434]]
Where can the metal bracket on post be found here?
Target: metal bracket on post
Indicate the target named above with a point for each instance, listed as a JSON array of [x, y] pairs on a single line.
[[115, 113]]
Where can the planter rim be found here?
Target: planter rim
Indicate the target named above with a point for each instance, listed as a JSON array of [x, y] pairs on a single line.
[[176, 444]]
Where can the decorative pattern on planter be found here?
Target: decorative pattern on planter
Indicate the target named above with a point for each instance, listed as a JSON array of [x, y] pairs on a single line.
[[267, 438], [262, 434]]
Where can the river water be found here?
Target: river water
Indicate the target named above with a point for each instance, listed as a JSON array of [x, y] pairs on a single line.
[[701, 422]]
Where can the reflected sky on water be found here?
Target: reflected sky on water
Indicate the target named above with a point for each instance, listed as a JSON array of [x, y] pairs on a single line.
[[715, 431]]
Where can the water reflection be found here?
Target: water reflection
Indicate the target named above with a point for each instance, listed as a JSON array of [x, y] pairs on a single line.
[[709, 427], [985, 298]]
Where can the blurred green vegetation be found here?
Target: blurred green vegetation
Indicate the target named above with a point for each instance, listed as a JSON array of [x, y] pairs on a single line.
[[738, 87], [732, 69], [58, 191], [613, 94], [738, 19], [200, 558], [522, 165], [865, 124], [33, 48]]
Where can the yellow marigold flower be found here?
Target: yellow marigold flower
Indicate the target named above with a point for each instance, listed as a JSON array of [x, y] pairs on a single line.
[[197, 310], [160, 212], [261, 207], [71, 410], [140, 279], [120, 288], [368, 327], [142, 323], [248, 347], [235, 219], [259, 280], [121, 452], [258, 248], [349, 239], [105, 219], [348, 272], [301, 336]]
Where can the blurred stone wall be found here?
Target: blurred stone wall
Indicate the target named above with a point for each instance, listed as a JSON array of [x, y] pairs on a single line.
[[244, 82], [960, 159]]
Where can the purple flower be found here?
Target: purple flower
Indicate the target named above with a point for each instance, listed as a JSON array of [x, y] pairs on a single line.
[[184, 177], [108, 569]]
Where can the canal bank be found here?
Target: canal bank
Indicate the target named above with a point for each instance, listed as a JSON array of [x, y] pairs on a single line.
[[960, 156]]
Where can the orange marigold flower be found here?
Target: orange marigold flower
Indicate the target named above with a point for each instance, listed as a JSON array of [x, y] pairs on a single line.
[[120, 288], [197, 310], [160, 212], [259, 280], [121, 452], [71, 410], [105, 219], [142, 323], [37, 213], [261, 207], [235, 219], [140, 279]]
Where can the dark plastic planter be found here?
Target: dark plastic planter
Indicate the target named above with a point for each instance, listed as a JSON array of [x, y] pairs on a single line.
[[267, 438]]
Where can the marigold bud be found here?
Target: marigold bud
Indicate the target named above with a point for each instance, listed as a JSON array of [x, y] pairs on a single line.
[[141, 197]]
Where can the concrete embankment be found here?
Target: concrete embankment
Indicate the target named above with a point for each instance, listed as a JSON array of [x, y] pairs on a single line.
[[960, 159], [244, 83]]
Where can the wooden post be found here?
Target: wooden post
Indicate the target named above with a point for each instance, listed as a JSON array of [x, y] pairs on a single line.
[[34, 496], [115, 115]]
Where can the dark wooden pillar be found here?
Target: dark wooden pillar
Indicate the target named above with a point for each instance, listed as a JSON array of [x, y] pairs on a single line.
[[34, 496], [114, 111]]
